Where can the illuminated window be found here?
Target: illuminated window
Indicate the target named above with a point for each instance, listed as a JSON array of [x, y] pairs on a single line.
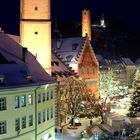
[[23, 122], [2, 104], [31, 120], [17, 124], [39, 117], [30, 99], [39, 98], [23, 100], [17, 102], [2, 127]]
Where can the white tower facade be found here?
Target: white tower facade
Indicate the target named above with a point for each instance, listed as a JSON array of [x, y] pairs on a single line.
[[35, 30]]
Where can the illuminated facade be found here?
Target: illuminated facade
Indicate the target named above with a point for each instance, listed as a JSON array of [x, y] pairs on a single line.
[[86, 24], [26, 114], [35, 30], [78, 53]]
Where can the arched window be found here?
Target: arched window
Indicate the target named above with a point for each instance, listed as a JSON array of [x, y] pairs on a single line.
[[88, 71], [82, 70], [93, 70]]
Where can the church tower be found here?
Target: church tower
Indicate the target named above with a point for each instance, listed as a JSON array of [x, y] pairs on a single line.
[[86, 24], [35, 30]]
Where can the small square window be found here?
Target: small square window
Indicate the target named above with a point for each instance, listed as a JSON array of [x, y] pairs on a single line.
[[36, 8]]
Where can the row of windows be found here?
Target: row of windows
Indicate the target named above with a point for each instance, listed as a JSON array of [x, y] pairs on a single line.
[[45, 115], [23, 122], [87, 70], [42, 117], [21, 101], [45, 97]]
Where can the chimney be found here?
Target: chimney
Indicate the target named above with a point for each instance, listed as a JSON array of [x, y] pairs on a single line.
[[24, 51]]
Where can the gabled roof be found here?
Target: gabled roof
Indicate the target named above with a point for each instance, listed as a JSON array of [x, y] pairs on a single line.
[[12, 51], [70, 48], [59, 66]]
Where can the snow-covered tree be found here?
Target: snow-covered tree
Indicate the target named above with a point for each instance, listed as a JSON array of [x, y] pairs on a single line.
[[135, 97], [74, 97]]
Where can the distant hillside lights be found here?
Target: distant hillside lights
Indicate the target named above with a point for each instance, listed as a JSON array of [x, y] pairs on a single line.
[[102, 23]]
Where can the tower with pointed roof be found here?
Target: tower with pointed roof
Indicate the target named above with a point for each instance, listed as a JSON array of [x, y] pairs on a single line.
[[35, 30], [86, 24]]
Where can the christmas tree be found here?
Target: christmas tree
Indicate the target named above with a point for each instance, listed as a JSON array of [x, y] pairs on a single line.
[[135, 97]]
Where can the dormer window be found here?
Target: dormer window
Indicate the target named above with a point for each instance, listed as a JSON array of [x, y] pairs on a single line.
[[2, 79], [29, 78], [74, 46]]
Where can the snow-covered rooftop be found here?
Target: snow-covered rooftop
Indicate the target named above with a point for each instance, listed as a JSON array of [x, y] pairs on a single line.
[[127, 61], [12, 51], [69, 48]]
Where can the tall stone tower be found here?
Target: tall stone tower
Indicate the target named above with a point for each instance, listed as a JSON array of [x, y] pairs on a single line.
[[86, 23], [35, 30]]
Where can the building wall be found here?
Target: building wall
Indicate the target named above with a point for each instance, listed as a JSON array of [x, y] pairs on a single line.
[[11, 113], [34, 9], [88, 69], [35, 30]]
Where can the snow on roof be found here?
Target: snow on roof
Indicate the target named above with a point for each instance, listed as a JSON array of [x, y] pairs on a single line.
[[14, 37], [127, 61], [69, 48], [102, 63], [55, 59], [14, 75], [137, 62], [12, 51]]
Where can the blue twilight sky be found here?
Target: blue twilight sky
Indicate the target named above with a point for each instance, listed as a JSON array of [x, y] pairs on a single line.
[[126, 11]]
